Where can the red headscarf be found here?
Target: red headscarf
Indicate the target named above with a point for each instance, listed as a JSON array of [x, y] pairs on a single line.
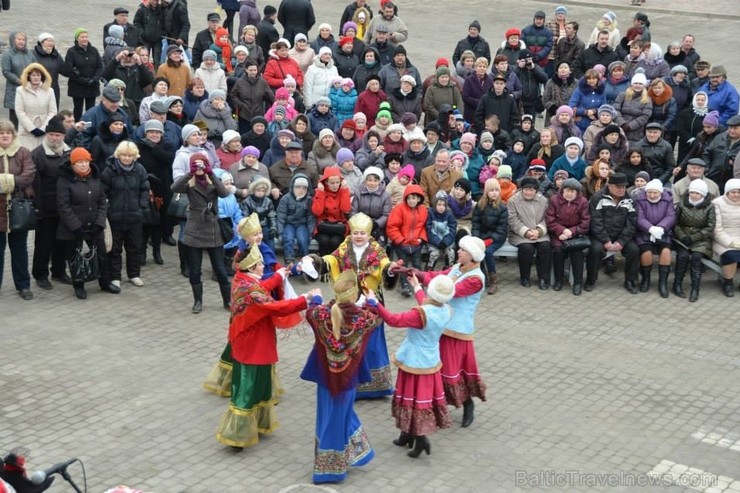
[[225, 48]]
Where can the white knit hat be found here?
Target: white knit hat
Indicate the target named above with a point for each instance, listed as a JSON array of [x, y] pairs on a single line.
[[639, 79], [372, 170], [655, 185], [732, 184], [230, 135], [474, 246], [573, 141], [441, 289], [699, 186]]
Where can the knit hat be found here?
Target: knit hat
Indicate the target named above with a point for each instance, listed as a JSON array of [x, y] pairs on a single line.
[[574, 141], [372, 170], [324, 25], [611, 129], [230, 135], [44, 36], [383, 113], [561, 173], [300, 181], [350, 124], [607, 108], [417, 134], [699, 186], [150, 126], [486, 137], [474, 246], [209, 55], [501, 155], [528, 182], [346, 40], [711, 118], [188, 131], [537, 165], [289, 133], [324, 50], [524, 54], [678, 69], [79, 31], [408, 119], [732, 184], [323, 100], [407, 170], [615, 64], [441, 289], [217, 94], [344, 155], [463, 183], [115, 31], [359, 116], [560, 9], [172, 49], [400, 50], [644, 175], [468, 137], [564, 109], [200, 156], [513, 32], [441, 62], [279, 110], [282, 93], [396, 127], [639, 78], [289, 81], [300, 37], [56, 125], [241, 49], [610, 16], [325, 132], [442, 71], [573, 184], [410, 79], [505, 171], [348, 25], [251, 151], [79, 154], [540, 13], [654, 185]]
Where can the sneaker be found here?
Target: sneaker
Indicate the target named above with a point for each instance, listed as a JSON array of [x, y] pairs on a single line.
[[116, 283], [136, 281]]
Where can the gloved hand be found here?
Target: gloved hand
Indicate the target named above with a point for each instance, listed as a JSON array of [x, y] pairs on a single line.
[[656, 232], [79, 234], [37, 132], [686, 240]]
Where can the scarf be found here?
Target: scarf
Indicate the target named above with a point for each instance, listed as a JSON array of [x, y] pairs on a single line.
[[225, 52], [696, 203]]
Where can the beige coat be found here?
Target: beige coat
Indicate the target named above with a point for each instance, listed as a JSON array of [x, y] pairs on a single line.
[[525, 215], [727, 226], [34, 107]]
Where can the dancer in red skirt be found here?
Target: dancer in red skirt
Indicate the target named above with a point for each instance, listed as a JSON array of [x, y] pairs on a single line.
[[419, 404], [462, 380]]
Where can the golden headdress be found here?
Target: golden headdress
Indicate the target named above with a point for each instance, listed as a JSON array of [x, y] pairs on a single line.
[[253, 258], [249, 225], [346, 288], [361, 222]]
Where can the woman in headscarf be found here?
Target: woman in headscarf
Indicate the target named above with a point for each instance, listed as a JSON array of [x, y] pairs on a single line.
[[690, 123]]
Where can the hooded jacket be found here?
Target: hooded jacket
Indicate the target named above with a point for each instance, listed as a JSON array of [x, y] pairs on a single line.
[[13, 62], [34, 107], [328, 206], [53, 63], [406, 227], [363, 70], [294, 211]]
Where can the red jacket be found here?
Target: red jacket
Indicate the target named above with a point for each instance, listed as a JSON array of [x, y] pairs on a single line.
[[277, 69], [331, 206], [368, 102], [406, 226]]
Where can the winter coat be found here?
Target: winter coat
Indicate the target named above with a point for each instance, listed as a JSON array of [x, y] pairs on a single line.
[[431, 183], [203, 41], [81, 202], [343, 105], [332, 207], [364, 157], [363, 71], [589, 140], [555, 152], [558, 92], [682, 93], [441, 228], [390, 78], [419, 160], [127, 192], [724, 99], [478, 45], [619, 151], [539, 42], [511, 52], [689, 125], [660, 156], [317, 80], [568, 50], [277, 69], [250, 97], [48, 167], [149, 23], [136, 77], [590, 57], [266, 35], [576, 170], [503, 106], [611, 219], [586, 98], [631, 171], [531, 80], [695, 225], [249, 15], [376, 204], [84, 67], [661, 214], [529, 138], [320, 42], [727, 225], [176, 21], [265, 210], [491, 222], [113, 46], [34, 107], [320, 121], [525, 215], [352, 177], [395, 26], [406, 227], [634, 113], [294, 211], [368, 102], [720, 155], [53, 63], [296, 16], [612, 88], [562, 215], [281, 175], [473, 90], [104, 145], [157, 161], [178, 75], [191, 103], [201, 228], [664, 109], [213, 77], [437, 95], [321, 158], [563, 132], [14, 62], [131, 35], [217, 121], [409, 103], [345, 63], [19, 164], [385, 51]]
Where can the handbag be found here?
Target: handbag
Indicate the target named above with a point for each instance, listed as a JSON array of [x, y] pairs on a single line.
[[151, 213], [178, 206], [21, 214], [226, 226], [580, 242], [83, 267]]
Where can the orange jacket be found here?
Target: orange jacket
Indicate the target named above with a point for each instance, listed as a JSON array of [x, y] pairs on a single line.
[[407, 226]]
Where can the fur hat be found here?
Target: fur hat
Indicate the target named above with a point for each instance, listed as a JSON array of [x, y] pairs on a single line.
[[618, 179], [441, 289], [611, 129], [699, 186], [474, 246], [259, 181]]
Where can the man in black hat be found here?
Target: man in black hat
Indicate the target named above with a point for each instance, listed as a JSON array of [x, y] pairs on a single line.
[[130, 34], [695, 168], [282, 171], [390, 75], [473, 42], [613, 226], [48, 157], [657, 151], [538, 38], [266, 32], [531, 75], [205, 38]]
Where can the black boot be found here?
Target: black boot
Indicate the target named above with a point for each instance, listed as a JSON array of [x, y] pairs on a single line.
[[405, 440], [728, 288], [695, 279], [468, 412], [197, 298], [681, 264], [182, 251], [663, 271], [226, 295], [229, 263], [420, 443], [157, 254], [645, 281]]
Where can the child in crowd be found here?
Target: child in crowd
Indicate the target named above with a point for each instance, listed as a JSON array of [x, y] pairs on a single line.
[[406, 230], [500, 136], [491, 224], [258, 201], [505, 184], [517, 159], [394, 141], [224, 51], [230, 213], [461, 205], [294, 218], [397, 185], [294, 96], [343, 101], [490, 170], [459, 161], [360, 124], [485, 146], [441, 231], [282, 100], [278, 120], [537, 171], [321, 116], [557, 183], [383, 120]]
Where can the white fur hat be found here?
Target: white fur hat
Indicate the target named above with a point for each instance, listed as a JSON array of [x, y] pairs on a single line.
[[474, 246], [441, 289]]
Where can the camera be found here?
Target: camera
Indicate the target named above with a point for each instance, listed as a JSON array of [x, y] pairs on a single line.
[[129, 54]]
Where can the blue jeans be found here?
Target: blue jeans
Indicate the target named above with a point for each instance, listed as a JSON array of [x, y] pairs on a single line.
[[292, 234], [18, 243], [490, 250]]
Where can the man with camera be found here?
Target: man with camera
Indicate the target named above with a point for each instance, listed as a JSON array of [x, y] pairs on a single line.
[[127, 66], [531, 76]]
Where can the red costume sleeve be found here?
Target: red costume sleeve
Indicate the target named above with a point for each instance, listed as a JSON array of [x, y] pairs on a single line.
[[255, 313], [468, 286], [275, 281], [410, 319]]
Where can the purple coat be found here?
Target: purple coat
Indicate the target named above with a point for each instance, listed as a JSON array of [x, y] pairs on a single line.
[[473, 91], [660, 214]]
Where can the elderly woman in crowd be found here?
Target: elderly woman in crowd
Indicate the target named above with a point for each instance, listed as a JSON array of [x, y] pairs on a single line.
[[727, 233], [528, 232], [35, 104], [216, 114], [656, 218]]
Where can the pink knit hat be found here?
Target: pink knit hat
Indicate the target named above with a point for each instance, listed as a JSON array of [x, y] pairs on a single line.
[[407, 170]]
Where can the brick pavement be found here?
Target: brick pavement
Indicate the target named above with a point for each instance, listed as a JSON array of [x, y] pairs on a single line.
[[603, 383]]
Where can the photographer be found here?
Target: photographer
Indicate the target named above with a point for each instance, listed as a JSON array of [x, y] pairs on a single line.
[[128, 67], [531, 76]]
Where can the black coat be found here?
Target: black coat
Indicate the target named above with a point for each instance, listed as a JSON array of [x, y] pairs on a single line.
[[592, 56], [296, 16], [503, 106], [81, 202], [176, 21], [266, 35], [136, 78], [45, 181], [104, 144], [346, 63], [203, 41], [612, 220], [491, 222], [53, 63], [481, 49], [84, 67], [127, 192], [150, 24], [660, 157], [157, 161]]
